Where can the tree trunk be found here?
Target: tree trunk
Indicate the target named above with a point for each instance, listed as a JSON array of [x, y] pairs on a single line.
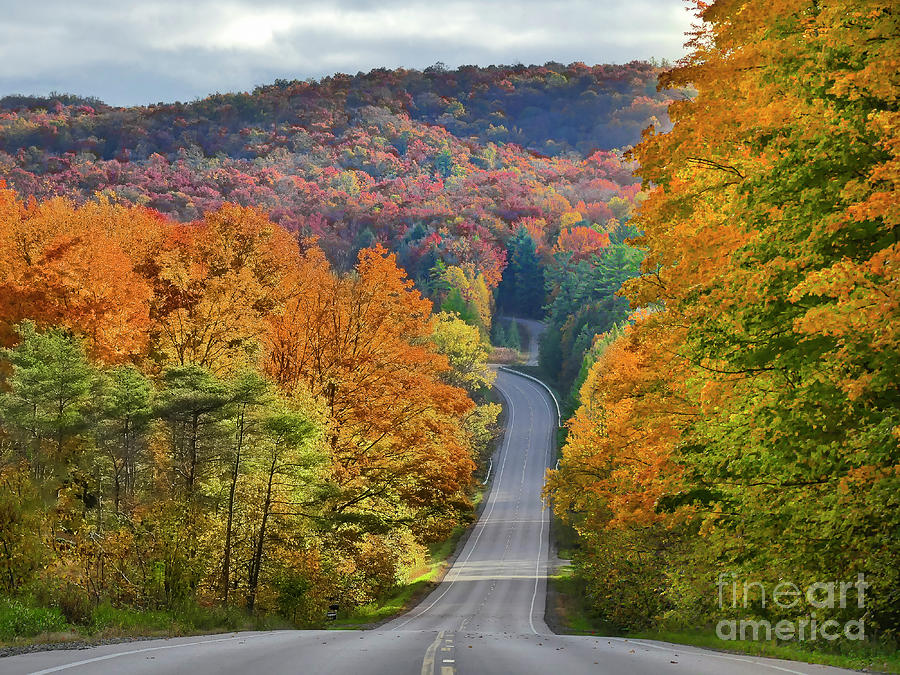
[[256, 562], [226, 555], [192, 470]]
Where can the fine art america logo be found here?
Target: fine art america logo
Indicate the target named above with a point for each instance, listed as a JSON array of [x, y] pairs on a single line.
[[825, 600]]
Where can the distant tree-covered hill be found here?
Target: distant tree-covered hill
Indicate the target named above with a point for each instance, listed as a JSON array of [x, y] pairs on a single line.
[[551, 109], [441, 166]]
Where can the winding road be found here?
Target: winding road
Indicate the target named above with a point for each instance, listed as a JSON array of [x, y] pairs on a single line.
[[487, 616]]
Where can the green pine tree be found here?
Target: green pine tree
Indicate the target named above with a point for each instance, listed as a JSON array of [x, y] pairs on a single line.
[[49, 395], [513, 339]]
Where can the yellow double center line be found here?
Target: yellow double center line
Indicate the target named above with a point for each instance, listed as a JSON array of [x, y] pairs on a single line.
[[442, 651]]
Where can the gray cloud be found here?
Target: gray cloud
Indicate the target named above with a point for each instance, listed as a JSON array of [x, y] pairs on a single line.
[[133, 52]]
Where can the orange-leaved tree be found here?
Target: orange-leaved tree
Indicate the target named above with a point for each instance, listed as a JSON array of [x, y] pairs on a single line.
[[216, 283], [361, 343], [770, 231], [62, 265]]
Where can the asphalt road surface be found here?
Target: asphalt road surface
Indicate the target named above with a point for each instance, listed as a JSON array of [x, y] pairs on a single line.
[[486, 616]]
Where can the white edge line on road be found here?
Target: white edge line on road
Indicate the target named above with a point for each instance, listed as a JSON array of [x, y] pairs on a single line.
[[544, 516], [481, 521], [707, 653], [549, 391], [106, 657]]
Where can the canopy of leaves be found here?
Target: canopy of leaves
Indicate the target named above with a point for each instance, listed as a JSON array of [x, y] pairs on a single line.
[[208, 413], [756, 397]]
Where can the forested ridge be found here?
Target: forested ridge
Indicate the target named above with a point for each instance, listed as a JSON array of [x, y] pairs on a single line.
[[550, 109]]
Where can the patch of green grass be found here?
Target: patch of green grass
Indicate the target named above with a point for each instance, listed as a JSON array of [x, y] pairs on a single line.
[[383, 609], [109, 620], [571, 610], [478, 498], [439, 551], [192, 617], [18, 619], [577, 618], [24, 622], [565, 539], [844, 655]]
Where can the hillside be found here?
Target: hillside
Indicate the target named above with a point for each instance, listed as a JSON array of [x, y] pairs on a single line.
[[436, 165], [552, 109]]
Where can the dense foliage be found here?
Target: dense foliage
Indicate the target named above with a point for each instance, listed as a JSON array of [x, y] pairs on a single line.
[[208, 413], [584, 276], [440, 166], [748, 421], [256, 408]]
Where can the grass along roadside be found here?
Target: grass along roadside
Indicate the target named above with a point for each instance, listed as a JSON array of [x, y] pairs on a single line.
[[569, 613], [567, 610], [869, 658], [405, 596], [24, 625]]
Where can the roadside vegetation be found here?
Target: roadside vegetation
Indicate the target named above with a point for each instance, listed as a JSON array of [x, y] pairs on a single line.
[[737, 435], [207, 427], [421, 581], [571, 611], [575, 615], [24, 621]]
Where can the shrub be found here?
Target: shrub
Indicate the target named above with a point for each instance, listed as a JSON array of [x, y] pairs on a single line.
[[19, 620], [126, 620], [71, 600], [193, 617]]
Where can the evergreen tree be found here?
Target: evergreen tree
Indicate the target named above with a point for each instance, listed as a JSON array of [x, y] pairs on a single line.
[[513, 339], [249, 393], [498, 339], [49, 396], [193, 402], [521, 292], [282, 464], [585, 303], [456, 304], [365, 238], [125, 413], [530, 293]]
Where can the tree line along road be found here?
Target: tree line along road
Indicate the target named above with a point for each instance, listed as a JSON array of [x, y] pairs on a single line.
[[485, 617]]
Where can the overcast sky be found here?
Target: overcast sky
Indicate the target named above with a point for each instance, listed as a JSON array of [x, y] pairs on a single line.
[[143, 51]]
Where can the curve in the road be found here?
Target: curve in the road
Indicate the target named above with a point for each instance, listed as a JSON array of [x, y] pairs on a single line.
[[506, 555]]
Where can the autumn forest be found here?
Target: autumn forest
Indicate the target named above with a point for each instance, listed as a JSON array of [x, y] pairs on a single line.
[[245, 340]]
